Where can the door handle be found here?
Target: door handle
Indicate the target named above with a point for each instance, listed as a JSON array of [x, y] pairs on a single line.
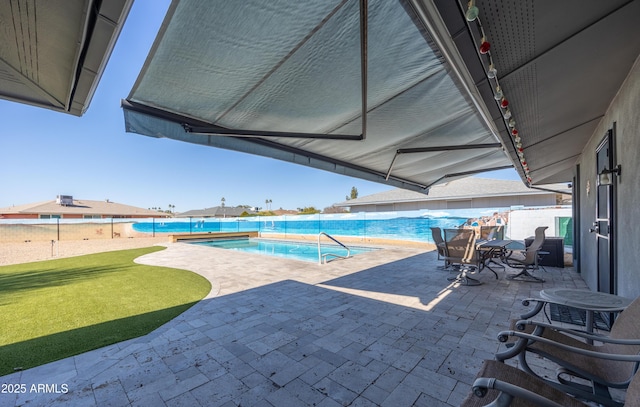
[[595, 228]]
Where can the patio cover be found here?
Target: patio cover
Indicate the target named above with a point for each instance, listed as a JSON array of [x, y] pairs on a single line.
[[290, 80], [53, 52]]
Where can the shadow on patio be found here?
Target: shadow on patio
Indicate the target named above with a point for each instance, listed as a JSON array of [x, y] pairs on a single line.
[[394, 334]]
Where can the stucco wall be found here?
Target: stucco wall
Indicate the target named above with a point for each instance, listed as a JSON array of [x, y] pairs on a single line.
[[523, 222], [625, 112]]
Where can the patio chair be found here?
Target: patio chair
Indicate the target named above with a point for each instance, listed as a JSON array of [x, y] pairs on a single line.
[[529, 259], [436, 234], [498, 384], [492, 232], [610, 363], [460, 246], [488, 233]]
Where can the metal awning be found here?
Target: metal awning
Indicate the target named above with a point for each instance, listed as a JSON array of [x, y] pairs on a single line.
[[53, 52], [291, 80]]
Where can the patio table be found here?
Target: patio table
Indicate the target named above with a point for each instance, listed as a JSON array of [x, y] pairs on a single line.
[[590, 301], [490, 249]]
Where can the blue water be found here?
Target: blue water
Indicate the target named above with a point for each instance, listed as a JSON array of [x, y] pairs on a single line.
[[413, 228], [290, 250]]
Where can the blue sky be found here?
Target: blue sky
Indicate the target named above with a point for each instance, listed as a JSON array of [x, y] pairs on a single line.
[[45, 153]]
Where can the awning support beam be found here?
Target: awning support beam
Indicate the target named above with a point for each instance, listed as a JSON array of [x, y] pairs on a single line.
[[222, 131], [437, 149], [465, 173], [447, 148]]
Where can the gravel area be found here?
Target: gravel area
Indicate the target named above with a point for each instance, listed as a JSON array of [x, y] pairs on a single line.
[[25, 252]]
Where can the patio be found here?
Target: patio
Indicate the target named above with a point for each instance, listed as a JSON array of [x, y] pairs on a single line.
[[383, 328]]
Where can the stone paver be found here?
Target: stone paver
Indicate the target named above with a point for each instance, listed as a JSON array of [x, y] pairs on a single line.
[[383, 328]]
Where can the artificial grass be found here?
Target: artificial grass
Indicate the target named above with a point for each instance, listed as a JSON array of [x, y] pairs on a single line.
[[54, 309]]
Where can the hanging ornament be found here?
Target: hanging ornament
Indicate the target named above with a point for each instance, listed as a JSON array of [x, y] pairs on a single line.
[[492, 72], [507, 114], [514, 133], [512, 123], [472, 11], [504, 103], [484, 46], [498, 95]]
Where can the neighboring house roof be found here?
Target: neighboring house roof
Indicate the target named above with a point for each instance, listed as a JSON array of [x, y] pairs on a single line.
[[465, 188], [216, 211], [53, 53], [80, 207]]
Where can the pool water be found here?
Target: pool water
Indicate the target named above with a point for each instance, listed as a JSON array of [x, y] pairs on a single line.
[[287, 249]]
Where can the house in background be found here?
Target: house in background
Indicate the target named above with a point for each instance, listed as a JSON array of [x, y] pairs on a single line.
[[65, 207], [462, 194], [216, 212]]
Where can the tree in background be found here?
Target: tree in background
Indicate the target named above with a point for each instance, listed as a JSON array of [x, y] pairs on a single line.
[[354, 193], [307, 210], [222, 202], [334, 209]]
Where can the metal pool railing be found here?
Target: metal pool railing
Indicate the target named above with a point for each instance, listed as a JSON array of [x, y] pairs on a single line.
[[322, 258]]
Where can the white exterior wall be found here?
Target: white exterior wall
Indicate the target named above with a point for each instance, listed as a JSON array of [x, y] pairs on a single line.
[[523, 222]]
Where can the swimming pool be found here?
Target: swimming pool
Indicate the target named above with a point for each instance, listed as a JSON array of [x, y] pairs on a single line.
[[280, 248]]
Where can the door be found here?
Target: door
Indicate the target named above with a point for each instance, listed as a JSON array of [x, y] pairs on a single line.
[[604, 226]]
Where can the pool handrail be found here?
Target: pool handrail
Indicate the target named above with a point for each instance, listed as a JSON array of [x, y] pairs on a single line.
[[322, 258]]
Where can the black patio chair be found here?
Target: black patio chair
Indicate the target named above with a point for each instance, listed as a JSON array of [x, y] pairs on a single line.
[[436, 234], [460, 246], [611, 362], [528, 259], [500, 385]]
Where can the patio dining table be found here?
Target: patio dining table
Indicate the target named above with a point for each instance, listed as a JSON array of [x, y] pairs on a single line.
[[489, 250]]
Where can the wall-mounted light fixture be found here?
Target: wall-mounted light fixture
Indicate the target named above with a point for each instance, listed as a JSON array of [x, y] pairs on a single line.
[[605, 178]]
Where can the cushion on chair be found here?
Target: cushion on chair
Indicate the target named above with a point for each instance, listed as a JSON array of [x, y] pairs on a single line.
[[626, 326], [512, 375]]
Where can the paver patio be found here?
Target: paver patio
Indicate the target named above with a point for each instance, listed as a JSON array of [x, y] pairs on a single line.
[[383, 328]]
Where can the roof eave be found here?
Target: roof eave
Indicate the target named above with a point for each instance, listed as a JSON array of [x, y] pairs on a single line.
[[104, 28]]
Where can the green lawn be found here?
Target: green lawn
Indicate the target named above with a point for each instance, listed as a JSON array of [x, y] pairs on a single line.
[[53, 309]]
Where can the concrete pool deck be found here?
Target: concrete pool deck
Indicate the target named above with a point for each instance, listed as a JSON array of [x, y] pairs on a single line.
[[382, 328]]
